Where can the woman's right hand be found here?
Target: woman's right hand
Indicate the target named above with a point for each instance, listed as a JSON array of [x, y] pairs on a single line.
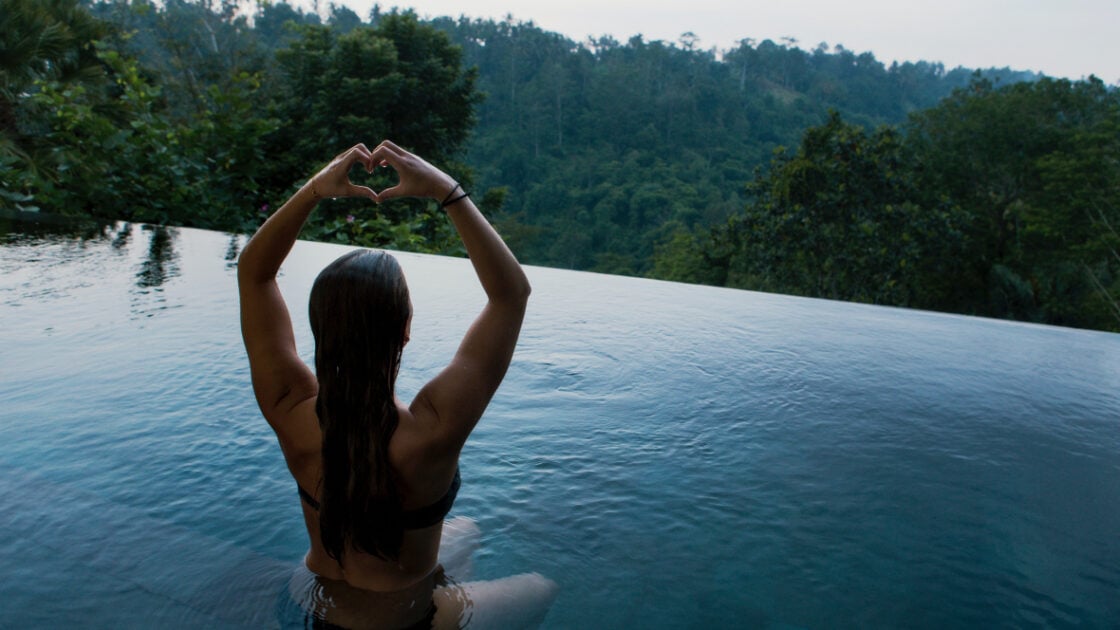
[[417, 178]]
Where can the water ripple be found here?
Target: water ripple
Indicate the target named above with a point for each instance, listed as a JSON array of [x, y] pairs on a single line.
[[673, 456]]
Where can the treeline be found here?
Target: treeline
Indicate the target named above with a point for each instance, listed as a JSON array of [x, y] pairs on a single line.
[[644, 157], [994, 193], [1003, 202], [608, 148]]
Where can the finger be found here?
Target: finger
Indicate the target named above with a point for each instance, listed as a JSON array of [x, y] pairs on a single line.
[[361, 191], [390, 193], [382, 156], [388, 148], [396, 155], [367, 158], [359, 153]]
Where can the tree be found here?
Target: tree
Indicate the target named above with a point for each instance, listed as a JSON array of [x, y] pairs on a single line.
[[148, 167], [186, 47], [42, 40], [1032, 168], [400, 80], [838, 219]]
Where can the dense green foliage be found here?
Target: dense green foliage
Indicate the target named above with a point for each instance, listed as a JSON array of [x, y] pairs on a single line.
[[837, 219], [993, 193], [608, 148], [1034, 171], [999, 202], [187, 116]]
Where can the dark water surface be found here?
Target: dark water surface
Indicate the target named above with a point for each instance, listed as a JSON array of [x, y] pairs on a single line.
[[673, 456]]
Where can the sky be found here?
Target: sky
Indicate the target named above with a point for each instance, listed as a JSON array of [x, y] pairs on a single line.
[[1061, 38]]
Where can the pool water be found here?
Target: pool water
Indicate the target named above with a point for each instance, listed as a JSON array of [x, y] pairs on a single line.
[[673, 456]]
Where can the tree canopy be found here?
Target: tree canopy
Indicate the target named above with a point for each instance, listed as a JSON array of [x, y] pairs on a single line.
[[999, 201], [187, 116]]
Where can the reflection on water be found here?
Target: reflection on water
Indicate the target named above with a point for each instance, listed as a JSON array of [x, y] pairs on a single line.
[[16, 226], [160, 264], [123, 236], [233, 250], [160, 261]]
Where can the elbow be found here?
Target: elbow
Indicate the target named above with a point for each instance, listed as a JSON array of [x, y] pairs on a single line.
[[248, 267], [243, 269], [523, 289], [515, 292]]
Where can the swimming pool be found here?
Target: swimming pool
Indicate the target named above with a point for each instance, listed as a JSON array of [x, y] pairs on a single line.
[[673, 456]]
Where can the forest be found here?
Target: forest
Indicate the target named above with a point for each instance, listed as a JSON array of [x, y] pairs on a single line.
[[819, 172]]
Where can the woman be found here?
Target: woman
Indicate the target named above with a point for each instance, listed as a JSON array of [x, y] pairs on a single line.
[[376, 476]]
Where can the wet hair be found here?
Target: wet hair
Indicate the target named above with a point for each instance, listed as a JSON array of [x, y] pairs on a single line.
[[359, 309]]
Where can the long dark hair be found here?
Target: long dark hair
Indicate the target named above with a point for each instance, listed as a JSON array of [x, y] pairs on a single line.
[[359, 310]]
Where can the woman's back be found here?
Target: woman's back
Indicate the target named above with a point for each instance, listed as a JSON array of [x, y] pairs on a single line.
[[427, 481]]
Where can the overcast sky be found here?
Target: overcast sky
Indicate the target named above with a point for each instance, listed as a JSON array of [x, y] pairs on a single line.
[[1063, 38]]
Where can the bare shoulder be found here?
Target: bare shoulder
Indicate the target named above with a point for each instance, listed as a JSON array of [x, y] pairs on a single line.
[[429, 425], [418, 438], [421, 456], [301, 441]]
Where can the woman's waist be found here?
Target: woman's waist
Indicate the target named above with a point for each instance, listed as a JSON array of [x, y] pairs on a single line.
[[369, 573], [345, 605]]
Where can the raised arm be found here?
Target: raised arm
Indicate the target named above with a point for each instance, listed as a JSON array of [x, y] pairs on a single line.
[[281, 381], [461, 392]]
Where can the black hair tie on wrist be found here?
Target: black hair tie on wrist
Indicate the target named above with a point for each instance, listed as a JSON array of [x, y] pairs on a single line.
[[446, 200]]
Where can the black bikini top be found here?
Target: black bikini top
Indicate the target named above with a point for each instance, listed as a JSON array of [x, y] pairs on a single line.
[[410, 519]]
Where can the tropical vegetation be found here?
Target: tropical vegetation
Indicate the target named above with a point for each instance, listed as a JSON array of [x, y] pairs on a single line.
[[818, 172]]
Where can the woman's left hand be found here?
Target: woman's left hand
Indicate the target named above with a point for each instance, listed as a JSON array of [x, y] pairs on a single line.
[[334, 179]]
